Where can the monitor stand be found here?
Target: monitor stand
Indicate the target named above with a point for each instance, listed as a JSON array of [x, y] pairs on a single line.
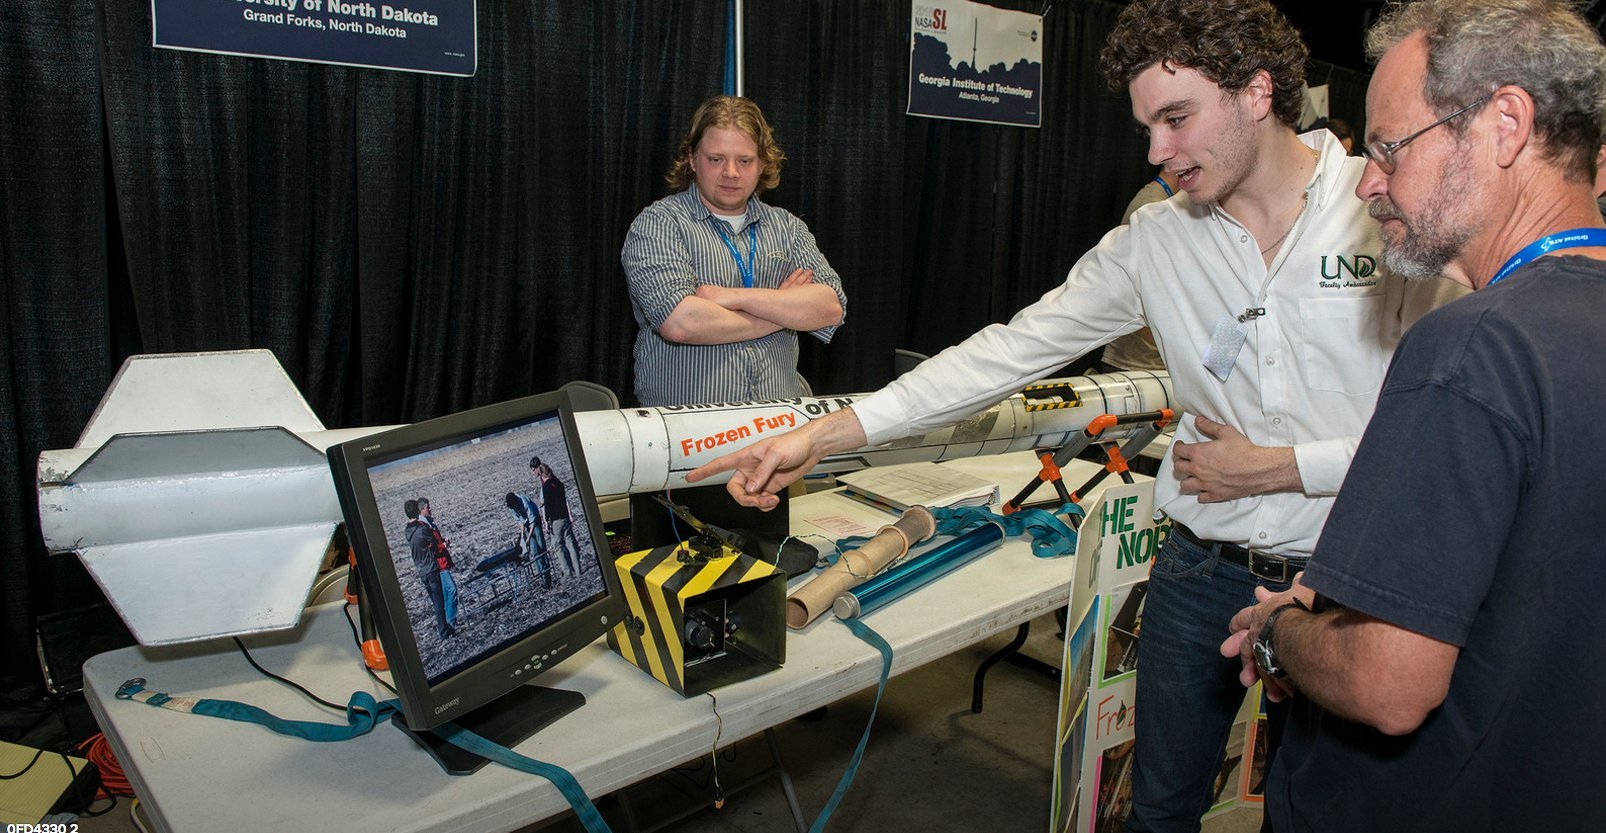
[[506, 721]]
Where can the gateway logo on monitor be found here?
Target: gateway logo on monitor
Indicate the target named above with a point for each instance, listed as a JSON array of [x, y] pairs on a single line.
[[449, 704]]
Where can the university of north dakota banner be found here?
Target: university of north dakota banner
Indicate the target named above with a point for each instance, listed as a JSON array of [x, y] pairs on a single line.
[[434, 36]]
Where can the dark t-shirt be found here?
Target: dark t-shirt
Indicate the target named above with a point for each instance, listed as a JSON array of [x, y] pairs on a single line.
[[1472, 514], [557, 506]]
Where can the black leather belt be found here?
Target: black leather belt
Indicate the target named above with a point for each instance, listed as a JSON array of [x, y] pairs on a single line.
[[1268, 566]]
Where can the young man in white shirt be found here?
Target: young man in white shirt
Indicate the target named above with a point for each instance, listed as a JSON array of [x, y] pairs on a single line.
[[1267, 267]]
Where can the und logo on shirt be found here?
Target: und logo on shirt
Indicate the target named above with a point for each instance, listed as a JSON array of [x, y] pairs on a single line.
[[1353, 271]]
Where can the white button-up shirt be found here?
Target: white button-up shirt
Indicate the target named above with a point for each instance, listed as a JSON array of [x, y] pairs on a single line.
[[1307, 376]]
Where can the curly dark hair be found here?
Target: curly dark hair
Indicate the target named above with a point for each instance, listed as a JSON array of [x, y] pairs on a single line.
[[1227, 41]]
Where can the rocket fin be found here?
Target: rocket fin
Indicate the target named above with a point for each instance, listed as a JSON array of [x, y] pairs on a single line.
[[188, 391], [207, 586]]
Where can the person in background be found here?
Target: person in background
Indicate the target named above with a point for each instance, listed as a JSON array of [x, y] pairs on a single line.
[[532, 541], [1444, 648], [1345, 134], [554, 497], [443, 559], [1136, 351], [1600, 180], [425, 551], [720, 282]]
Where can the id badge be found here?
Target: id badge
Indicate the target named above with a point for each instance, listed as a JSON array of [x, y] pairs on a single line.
[[1226, 342]]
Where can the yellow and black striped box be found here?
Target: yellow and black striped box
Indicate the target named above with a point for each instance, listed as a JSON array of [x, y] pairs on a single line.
[[701, 618]]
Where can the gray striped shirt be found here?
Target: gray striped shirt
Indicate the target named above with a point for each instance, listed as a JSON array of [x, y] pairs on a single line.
[[671, 249]]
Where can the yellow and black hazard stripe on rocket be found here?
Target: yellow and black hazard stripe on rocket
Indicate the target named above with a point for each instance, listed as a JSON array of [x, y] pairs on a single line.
[[696, 622], [1051, 397]]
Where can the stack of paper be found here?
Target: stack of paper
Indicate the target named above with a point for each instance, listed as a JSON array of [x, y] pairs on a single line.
[[918, 484]]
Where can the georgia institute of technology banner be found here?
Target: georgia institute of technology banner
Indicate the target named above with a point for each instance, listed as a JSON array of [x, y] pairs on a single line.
[[433, 36], [1098, 707], [973, 62]]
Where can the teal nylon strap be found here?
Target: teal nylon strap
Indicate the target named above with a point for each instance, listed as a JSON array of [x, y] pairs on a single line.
[[865, 633], [462, 738], [1051, 537], [363, 713]]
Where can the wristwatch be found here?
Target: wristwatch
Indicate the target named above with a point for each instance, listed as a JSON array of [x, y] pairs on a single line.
[[1265, 654]]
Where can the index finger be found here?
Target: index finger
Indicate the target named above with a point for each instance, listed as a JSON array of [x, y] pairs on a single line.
[[718, 465]]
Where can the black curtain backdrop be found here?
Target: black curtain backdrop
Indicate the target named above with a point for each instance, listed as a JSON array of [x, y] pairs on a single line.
[[1346, 94], [939, 227], [412, 245], [55, 359]]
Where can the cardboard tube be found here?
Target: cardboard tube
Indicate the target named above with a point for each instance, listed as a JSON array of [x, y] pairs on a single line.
[[812, 599]]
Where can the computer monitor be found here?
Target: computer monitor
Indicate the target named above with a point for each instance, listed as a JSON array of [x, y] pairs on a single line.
[[483, 564]]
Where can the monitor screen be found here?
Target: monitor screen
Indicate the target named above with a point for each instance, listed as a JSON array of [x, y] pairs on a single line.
[[479, 549]]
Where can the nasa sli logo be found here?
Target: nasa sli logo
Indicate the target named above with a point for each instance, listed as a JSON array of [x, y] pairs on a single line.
[[931, 18]]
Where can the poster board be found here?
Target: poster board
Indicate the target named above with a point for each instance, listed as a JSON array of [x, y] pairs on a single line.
[[1092, 789]]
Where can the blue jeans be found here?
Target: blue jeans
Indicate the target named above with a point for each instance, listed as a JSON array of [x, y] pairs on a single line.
[[1187, 693], [568, 545], [437, 600]]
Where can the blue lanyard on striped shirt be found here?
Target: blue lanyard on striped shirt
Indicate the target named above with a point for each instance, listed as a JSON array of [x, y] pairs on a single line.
[[1569, 239], [747, 269]]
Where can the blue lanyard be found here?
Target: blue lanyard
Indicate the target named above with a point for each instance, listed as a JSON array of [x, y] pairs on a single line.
[[1570, 239], [752, 249], [1167, 188]]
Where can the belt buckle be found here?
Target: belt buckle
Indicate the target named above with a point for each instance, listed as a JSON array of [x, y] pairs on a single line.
[[1256, 558]]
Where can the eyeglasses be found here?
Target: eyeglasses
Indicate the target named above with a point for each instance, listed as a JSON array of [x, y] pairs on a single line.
[[1383, 152]]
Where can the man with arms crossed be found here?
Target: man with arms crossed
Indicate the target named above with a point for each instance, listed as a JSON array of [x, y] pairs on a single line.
[[1248, 256], [720, 282], [1451, 675]]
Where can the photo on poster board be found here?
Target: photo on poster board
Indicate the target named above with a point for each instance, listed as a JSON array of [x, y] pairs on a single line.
[[1077, 659], [1121, 631], [1079, 655], [1068, 786], [1226, 788], [1254, 786], [1114, 788]]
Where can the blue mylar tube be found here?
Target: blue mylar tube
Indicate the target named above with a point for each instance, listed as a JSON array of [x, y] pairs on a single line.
[[918, 572]]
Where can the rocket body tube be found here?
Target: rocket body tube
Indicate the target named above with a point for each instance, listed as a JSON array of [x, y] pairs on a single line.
[[650, 449]]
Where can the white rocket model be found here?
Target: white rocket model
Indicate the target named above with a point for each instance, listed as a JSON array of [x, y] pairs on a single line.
[[199, 496]]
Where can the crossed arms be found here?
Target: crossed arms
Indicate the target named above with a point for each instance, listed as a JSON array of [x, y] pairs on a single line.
[[721, 314]]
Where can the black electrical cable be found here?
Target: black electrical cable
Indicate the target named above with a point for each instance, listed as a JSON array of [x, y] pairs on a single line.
[[78, 790], [713, 753], [356, 639], [72, 780], [24, 771], [291, 683]]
